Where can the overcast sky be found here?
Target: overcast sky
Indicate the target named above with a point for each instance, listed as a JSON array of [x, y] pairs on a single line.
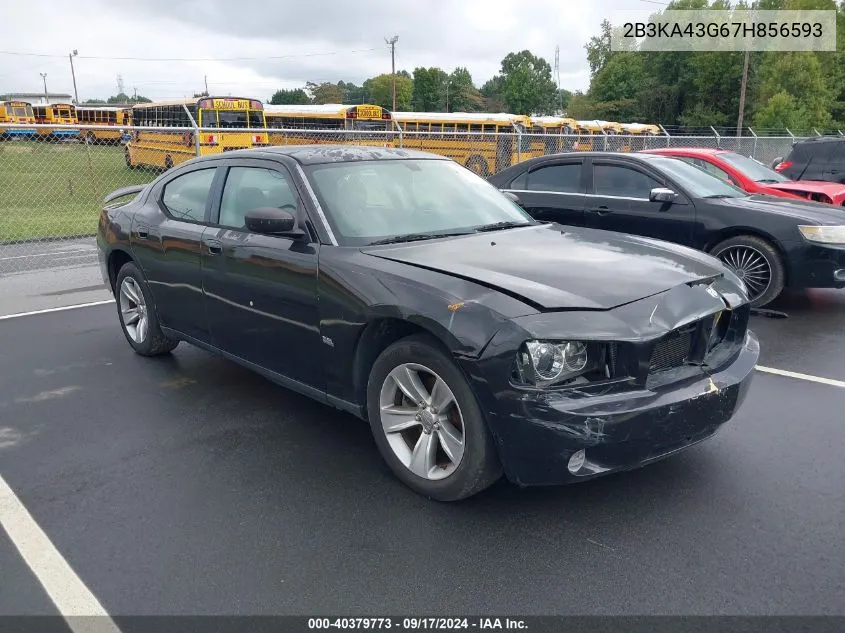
[[289, 42]]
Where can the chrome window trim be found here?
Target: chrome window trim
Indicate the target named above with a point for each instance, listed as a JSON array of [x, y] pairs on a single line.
[[317, 206]]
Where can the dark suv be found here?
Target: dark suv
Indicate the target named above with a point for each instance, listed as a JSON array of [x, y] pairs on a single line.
[[820, 158]]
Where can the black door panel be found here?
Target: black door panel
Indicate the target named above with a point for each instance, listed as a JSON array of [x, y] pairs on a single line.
[[554, 192], [261, 290], [166, 240]]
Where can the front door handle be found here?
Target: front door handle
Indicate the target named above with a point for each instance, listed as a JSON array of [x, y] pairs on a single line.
[[214, 247], [603, 210]]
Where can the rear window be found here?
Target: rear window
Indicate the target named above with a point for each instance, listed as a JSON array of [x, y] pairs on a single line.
[[818, 152]]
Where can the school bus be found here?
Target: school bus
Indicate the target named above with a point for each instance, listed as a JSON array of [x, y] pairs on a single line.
[[18, 113], [638, 133], [301, 122], [112, 123], [216, 116], [552, 134], [483, 142], [56, 114]]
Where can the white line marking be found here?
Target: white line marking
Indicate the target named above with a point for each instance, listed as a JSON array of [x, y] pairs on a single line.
[[93, 251], [67, 591], [792, 374], [61, 309]]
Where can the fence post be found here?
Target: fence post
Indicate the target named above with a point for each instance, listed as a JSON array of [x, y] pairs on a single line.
[[754, 134], [518, 145], [791, 135], [718, 138], [817, 132], [196, 130], [668, 136]]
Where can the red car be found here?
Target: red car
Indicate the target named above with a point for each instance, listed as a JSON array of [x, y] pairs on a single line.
[[753, 177]]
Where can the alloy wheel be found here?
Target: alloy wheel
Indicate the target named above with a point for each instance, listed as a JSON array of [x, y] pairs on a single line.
[[422, 421], [133, 310], [750, 265]]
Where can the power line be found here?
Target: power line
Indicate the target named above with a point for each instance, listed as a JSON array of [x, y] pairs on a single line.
[[194, 59]]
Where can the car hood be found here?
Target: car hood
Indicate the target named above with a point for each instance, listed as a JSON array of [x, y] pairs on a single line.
[[832, 189], [558, 268], [801, 210]]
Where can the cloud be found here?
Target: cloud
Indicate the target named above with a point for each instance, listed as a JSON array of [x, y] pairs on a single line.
[[290, 43]]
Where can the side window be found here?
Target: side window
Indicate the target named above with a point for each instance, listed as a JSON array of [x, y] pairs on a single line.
[[720, 173], [561, 178], [616, 180], [249, 188], [185, 197]]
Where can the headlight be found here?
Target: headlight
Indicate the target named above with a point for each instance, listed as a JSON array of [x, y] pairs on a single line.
[[545, 363], [823, 234]]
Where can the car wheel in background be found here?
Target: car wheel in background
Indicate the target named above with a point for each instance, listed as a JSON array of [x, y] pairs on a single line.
[[757, 263], [137, 314], [427, 422]]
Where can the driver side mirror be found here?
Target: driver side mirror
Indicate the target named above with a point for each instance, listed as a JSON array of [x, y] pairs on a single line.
[[661, 194], [512, 197], [272, 221]]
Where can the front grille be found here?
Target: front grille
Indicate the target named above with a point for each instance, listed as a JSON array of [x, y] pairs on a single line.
[[672, 350]]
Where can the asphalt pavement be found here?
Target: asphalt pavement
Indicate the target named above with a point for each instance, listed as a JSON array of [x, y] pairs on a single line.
[[188, 485]]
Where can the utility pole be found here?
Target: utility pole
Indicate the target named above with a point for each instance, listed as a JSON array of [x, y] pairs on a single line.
[[73, 74], [742, 89], [392, 42], [205, 78], [46, 94], [447, 94], [557, 73], [744, 84]]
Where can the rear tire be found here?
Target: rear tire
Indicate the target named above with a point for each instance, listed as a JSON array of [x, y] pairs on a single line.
[[462, 459], [137, 313], [757, 262]]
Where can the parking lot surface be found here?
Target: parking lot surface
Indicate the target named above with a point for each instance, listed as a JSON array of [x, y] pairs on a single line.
[[188, 485]]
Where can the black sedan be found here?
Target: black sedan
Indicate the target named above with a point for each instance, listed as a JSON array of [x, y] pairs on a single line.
[[770, 243], [401, 287]]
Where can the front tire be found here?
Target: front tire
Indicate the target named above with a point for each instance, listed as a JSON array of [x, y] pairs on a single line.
[[137, 314], [757, 263], [427, 422]]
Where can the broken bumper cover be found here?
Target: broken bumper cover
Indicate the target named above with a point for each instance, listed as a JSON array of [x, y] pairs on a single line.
[[538, 432]]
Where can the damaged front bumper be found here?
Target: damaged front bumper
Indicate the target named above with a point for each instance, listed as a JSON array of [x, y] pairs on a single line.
[[637, 416], [538, 433]]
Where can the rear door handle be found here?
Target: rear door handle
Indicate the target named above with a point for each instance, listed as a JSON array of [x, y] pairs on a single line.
[[603, 210], [214, 247]]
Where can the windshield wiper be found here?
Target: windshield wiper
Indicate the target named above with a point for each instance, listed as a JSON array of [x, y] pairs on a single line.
[[767, 181], [495, 226], [719, 196], [417, 237]]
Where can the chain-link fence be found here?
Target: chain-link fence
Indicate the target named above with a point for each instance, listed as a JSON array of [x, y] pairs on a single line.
[[53, 178]]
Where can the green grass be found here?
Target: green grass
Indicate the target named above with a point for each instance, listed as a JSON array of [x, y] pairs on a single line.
[[57, 189]]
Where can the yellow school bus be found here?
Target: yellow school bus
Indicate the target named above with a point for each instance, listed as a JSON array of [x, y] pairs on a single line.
[[485, 143], [216, 116], [112, 123], [56, 114], [337, 123], [552, 134], [19, 114], [638, 133]]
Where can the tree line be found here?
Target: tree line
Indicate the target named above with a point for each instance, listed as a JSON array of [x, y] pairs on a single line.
[[524, 85], [794, 90]]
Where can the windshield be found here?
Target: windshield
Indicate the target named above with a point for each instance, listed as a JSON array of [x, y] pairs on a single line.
[[753, 169], [695, 180], [369, 201], [232, 118]]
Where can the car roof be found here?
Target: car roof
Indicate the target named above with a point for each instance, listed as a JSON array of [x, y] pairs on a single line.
[[321, 154], [668, 151], [821, 139]]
